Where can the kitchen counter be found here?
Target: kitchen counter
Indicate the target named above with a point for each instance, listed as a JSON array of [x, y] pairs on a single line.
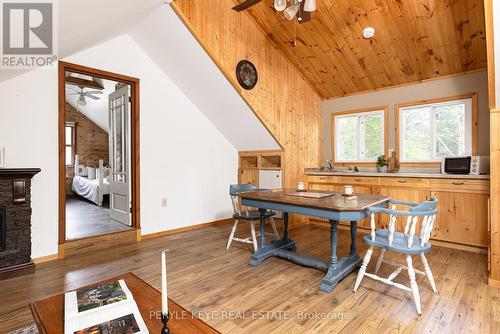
[[317, 171]]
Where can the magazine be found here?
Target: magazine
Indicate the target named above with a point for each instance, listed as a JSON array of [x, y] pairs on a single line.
[[107, 308]]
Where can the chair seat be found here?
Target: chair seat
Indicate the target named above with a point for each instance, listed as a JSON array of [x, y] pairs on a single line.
[[253, 215], [399, 242]]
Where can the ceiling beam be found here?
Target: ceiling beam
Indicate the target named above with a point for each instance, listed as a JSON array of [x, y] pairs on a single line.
[[84, 83]]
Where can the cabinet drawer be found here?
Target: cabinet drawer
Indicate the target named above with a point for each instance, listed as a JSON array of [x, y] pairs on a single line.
[[405, 182], [322, 179], [359, 180], [460, 185]]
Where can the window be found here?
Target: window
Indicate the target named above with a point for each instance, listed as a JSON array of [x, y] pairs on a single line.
[[432, 131], [70, 143], [359, 136]]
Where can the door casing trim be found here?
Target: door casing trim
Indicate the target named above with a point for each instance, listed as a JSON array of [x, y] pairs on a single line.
[[134, 139]]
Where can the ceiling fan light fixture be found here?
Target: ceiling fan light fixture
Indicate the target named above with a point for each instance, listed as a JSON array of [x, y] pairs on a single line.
[[291, 11], [280, 5], [81, 101], [310, 5]]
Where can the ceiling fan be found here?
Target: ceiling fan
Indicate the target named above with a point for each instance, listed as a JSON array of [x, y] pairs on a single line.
[[82, 95], [298, 8]]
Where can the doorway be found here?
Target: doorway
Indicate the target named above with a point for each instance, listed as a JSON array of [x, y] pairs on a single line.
[[98, 153]]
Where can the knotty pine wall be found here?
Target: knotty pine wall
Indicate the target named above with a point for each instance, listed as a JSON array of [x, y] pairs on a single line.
[[282, 99], [492, 15], [92, 143]]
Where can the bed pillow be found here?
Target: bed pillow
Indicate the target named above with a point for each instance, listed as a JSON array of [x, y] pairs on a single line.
[[81, 170]]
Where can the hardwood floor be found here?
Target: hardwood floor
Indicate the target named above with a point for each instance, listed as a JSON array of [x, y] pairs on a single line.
[[203, 277], [85, 219]]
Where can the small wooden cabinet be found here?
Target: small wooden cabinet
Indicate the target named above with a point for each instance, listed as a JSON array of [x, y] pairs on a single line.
[[463, 203], [250, 162]]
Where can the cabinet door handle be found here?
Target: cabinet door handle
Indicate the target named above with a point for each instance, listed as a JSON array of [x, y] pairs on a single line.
[[402, 181], [357, 180], [458, 183], [322, 178]]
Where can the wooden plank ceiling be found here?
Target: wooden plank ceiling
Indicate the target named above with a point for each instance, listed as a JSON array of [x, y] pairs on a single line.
[[415, 40]]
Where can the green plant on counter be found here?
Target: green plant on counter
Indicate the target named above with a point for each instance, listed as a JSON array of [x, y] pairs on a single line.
[[381, 161]]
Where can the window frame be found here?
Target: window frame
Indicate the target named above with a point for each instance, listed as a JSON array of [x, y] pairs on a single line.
[[385, 134], [398, 119], [71, 125]]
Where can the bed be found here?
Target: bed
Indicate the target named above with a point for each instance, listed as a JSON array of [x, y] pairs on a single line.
[[89, 186]]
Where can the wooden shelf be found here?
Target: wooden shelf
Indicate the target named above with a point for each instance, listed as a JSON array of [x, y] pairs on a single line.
[[270, 161], [250, 162]]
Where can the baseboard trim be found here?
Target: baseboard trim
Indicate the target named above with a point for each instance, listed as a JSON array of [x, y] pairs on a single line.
[[493, 282], [47, 258], [186, 228], [17, 270], [441, 243]]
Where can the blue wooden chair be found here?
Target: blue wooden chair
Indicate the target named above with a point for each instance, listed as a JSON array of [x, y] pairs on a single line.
[[404, 243], [250, 216]]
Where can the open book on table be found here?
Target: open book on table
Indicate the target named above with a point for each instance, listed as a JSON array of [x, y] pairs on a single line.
[[102, 309]]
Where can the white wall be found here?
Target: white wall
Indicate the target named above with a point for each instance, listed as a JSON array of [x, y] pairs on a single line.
[[470, 83], [183, 156], [196, 74], [28, 131]]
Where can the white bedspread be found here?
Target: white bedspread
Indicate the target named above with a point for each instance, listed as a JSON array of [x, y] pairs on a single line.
[[89, 189]]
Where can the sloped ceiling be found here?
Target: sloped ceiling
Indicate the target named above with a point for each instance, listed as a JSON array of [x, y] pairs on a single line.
[[168, 42], [86, 23], [415, 40], [95, 110]]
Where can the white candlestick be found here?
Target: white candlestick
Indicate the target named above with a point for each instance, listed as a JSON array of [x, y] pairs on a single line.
[[164, 295]]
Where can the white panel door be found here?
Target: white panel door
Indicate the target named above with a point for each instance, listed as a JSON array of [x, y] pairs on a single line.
[[119, 197]]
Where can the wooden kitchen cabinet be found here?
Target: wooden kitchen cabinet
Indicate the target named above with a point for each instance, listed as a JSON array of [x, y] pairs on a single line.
[[462, 218], [251, 162], [249, 176]]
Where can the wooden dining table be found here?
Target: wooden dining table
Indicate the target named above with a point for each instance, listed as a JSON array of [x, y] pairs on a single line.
[[335, 208]]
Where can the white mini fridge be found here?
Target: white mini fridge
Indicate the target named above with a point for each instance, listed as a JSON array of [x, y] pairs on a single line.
[[271, 179]]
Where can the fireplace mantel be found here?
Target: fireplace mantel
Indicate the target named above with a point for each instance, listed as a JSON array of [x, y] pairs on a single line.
[[18, 173]]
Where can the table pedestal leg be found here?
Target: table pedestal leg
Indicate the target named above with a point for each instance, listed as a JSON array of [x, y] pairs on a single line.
[[285, 231], [262, 228], [354, 250], [275, 246], [338, 269]]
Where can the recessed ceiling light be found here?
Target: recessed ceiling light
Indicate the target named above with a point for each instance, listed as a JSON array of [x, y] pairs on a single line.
[[368, 32]]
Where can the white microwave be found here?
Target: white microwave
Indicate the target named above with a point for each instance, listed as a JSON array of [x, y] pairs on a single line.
[[474, 165]]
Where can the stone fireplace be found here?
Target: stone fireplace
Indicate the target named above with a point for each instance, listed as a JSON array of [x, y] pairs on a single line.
[[3, 223], [15, 221]]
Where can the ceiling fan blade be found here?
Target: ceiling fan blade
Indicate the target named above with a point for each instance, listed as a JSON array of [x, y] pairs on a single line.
[[73, 89], [93, 92], [245, 5], [303, 16], [92, 97]]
